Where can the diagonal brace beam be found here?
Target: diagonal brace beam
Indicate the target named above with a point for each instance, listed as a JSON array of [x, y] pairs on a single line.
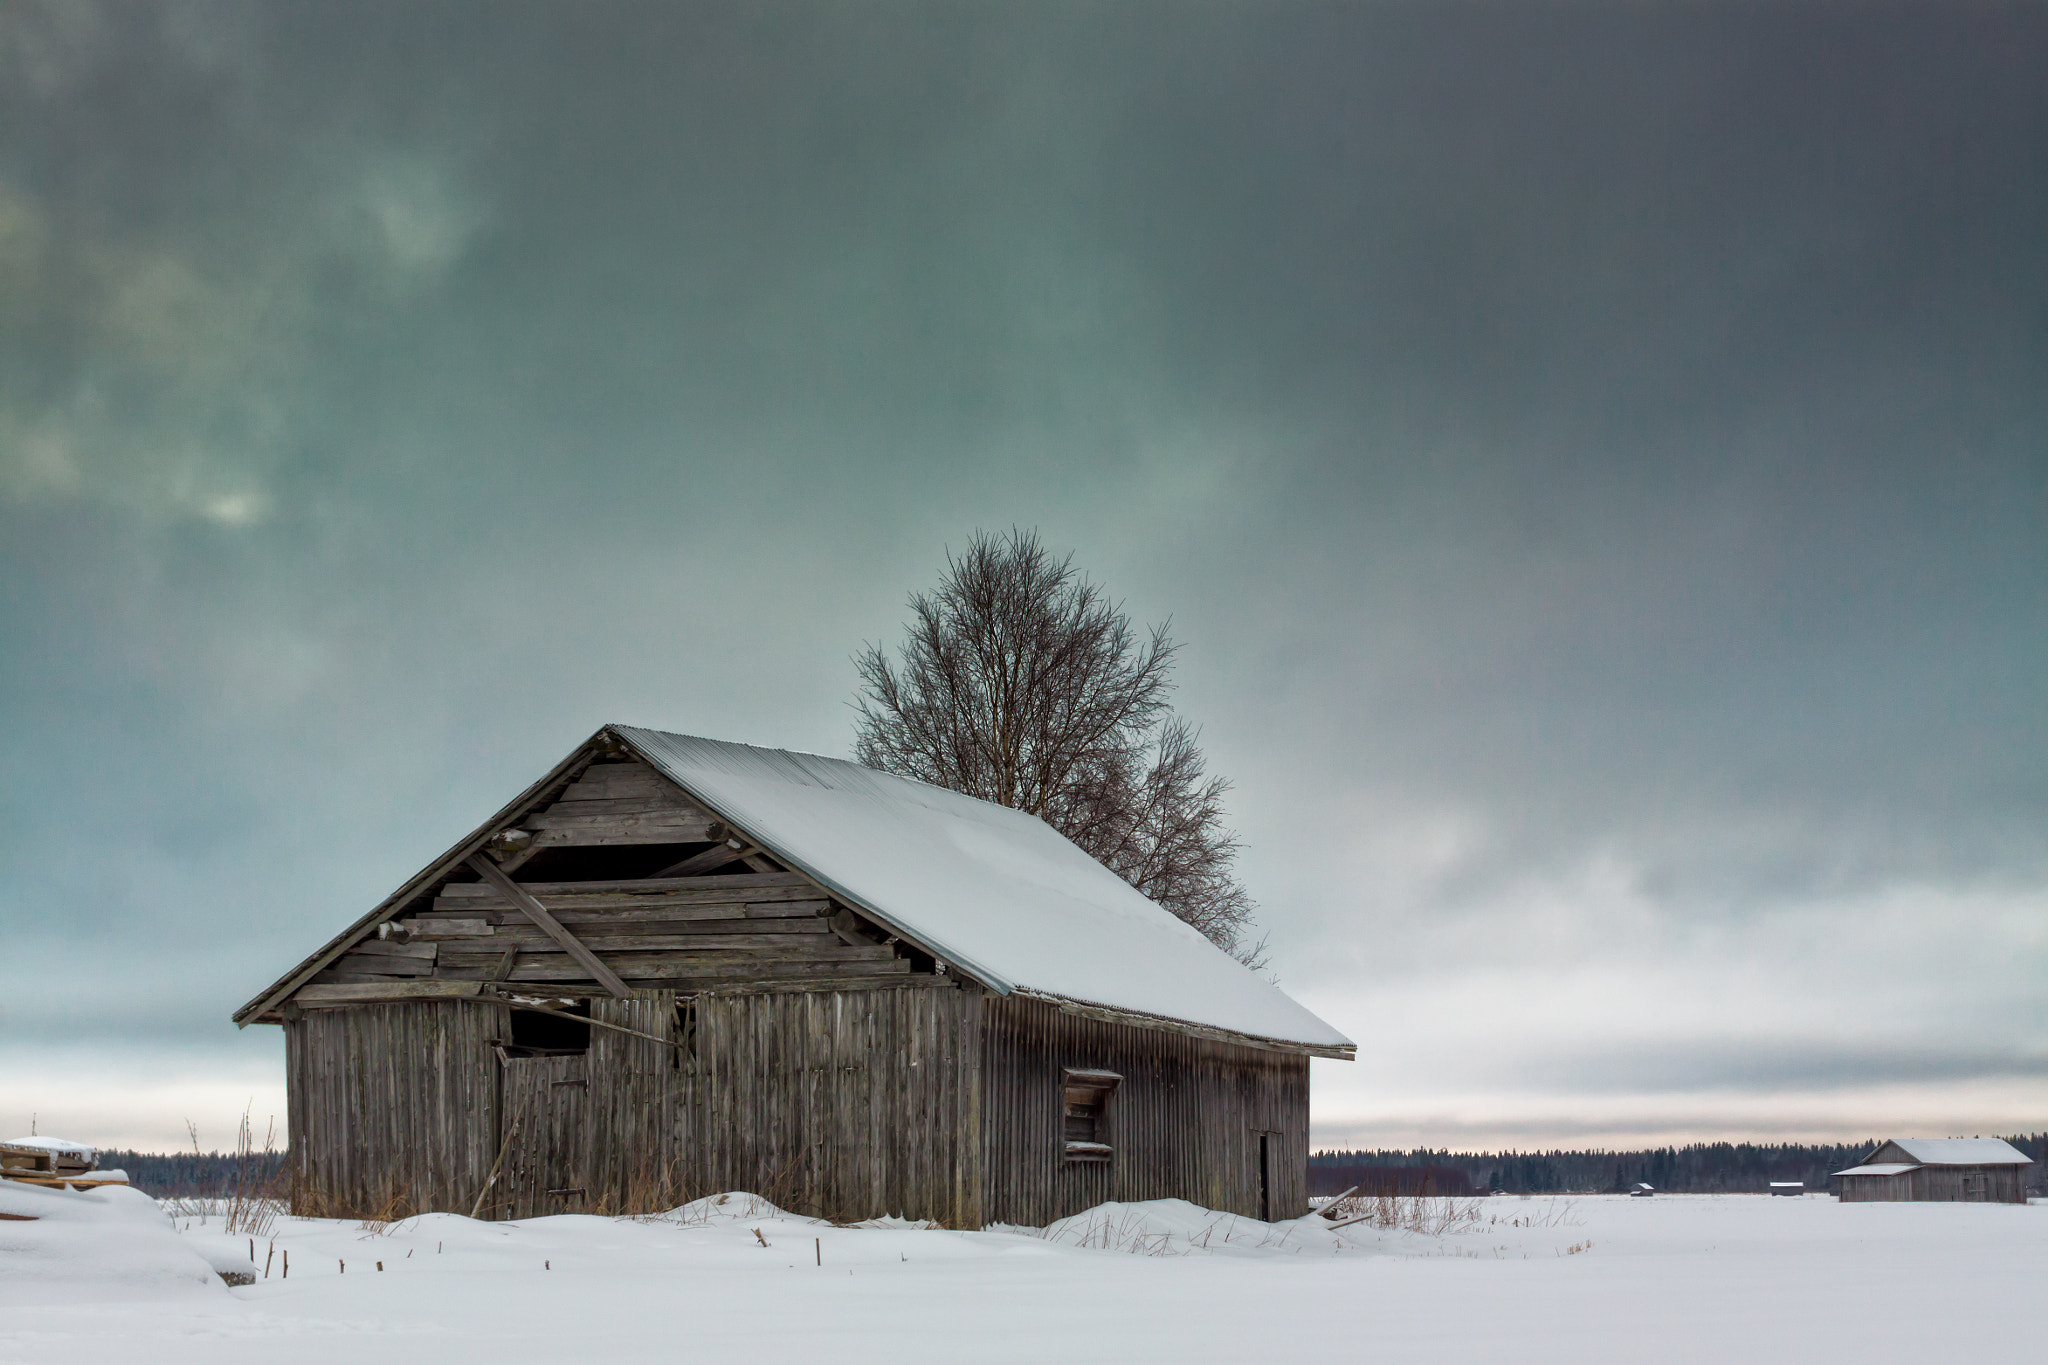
[[718, 855], [549, 925]]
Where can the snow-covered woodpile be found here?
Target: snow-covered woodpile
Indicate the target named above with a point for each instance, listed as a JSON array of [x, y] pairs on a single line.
[[55, 1162], [676, 965]]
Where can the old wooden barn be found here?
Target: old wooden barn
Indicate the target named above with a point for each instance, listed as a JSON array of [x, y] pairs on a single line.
[[1967, 1170], [675, 966]]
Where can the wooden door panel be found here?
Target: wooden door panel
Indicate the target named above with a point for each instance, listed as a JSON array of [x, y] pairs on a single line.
[[546, 1113]]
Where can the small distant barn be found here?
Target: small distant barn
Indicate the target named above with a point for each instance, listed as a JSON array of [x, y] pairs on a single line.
[[674, 966], [1967, 1170]]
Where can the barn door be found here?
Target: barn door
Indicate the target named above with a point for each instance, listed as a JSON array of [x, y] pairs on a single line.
[[546, 1118]]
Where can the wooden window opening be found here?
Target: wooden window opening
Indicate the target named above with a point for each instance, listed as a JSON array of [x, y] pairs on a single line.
[[1085, 1128], [539, 1034]]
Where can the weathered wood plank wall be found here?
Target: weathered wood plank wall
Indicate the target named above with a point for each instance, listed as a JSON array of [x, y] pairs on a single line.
[[1938, 1184], [1184, 1122], [390, 1106], [844, 1104]]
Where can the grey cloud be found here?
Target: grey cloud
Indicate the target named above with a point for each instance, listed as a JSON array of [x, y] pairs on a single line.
[[1769, 1067], [1581, 436]]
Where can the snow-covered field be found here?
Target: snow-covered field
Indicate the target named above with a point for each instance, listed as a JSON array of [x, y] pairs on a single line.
[[106, 1276]]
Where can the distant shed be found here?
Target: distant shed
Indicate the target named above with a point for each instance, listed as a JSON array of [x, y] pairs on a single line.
[[1952, 1170]]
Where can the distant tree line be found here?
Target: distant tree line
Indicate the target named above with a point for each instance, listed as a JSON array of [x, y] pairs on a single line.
[[194, 1175], [1699, 1168]]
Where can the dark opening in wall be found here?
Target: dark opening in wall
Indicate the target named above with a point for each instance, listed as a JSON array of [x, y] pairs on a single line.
[[684, 1054], [539, 1034], [1085, 1098]]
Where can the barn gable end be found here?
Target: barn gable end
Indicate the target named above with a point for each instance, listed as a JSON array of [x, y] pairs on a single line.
[[632, 872]]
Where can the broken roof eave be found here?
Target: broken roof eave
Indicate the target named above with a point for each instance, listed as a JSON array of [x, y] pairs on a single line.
[[289, 983]]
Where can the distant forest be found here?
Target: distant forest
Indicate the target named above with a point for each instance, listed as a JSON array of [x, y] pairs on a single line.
[[1701, 1168], [194, 1175]]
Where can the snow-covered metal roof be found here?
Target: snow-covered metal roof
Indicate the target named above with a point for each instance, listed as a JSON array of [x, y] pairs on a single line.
[[1881, 1168], [993, 891], [1962, 1151]]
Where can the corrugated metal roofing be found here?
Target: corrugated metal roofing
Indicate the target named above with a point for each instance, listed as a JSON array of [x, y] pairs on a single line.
[[995, 891]]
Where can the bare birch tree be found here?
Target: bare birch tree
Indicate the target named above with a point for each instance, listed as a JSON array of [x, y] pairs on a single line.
[[1021, 683]]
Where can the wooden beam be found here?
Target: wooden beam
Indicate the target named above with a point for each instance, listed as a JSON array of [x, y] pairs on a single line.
[[699, 863], [476, 1209], [652, 969], [630, 957], [538, 913], [375, 966], [717, 901], [435, 930], [386, 947], [367, 993], [625, 832], [800, 945], [507, 930], [745, 881], [1329, 1210]]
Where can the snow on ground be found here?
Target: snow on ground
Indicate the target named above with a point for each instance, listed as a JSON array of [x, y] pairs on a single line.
[[109, 1244], [1671, 1279]]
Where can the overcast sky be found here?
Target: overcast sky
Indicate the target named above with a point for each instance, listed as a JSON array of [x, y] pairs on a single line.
[[1595, 457]]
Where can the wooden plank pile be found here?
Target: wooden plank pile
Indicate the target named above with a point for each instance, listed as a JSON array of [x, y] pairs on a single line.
[[56, 1165]]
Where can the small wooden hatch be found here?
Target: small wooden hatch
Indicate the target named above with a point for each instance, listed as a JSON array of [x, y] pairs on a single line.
[[1086, 1104]]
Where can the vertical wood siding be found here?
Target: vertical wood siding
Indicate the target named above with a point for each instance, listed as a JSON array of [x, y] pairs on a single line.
[[1184, 1122], [929, 1102], [845, 1104], [390, 1106], [1938, 1184]]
